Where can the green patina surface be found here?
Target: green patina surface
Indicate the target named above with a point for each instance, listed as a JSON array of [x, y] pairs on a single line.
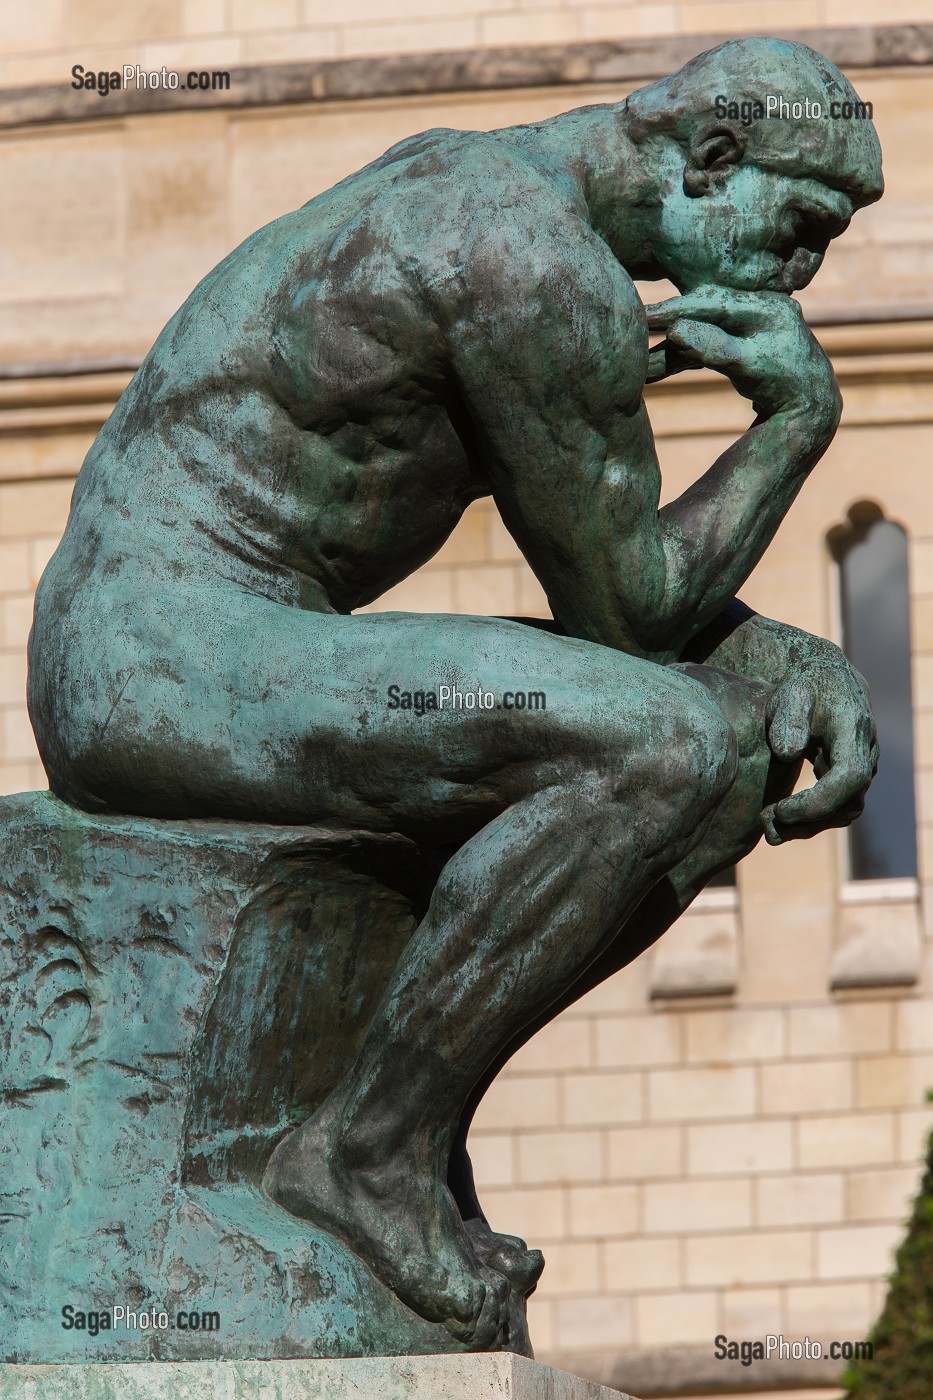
[[164, 1017], [243, 1060]]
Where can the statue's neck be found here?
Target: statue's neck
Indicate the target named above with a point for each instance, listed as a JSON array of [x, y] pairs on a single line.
[[590, 152]]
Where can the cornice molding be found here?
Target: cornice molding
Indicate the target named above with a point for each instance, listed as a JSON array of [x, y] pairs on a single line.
[[458, 70]]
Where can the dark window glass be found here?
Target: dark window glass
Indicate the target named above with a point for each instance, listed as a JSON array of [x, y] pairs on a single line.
[[876, 637]]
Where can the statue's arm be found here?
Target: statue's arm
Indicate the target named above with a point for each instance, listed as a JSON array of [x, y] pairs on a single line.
[[552, 367]]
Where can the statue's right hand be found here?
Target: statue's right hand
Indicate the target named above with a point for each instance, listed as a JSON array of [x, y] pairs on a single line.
[[761, 342]]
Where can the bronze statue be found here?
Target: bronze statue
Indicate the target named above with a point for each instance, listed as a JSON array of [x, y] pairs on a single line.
[[458, 320]]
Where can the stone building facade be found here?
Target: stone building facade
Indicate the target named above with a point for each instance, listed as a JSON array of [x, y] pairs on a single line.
[[725, 1138]]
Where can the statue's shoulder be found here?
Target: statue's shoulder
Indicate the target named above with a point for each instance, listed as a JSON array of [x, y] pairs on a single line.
[[475, 169]]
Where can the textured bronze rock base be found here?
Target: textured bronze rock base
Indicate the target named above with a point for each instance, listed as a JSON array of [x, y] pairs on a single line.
[[173, 996]]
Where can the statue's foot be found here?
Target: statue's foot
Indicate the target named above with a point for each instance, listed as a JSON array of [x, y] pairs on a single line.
[[507, 1254], [522, 1266], [408, 1232]]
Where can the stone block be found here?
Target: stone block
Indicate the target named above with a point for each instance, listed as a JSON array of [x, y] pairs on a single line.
[[493, 1158], [17, 743], [623, 1041], [720, 1091], [549, 26], [697, 957], [751, 1312], [811, 1087], [666, 1319], [488, 590], [642, 1264], [641, 1154], [38, 27], [18, 777], [629, 21], [92, 22], [203, 16], [894, 1081], [846, 1140], [411, 595], [417, 37], [535, 1213], [736, 1036], [532, 599], [786, 935], [573, 1270], [914, 1126], [220, 52], [594, 1324], [686, 1207], [884, 1194], [176, 230], [857, 1251], [858, 1029], [12, 677], [292, 45], [762, 1256], [561, 1045], [496, 1377], [529, 1101], [56, 245], [546, 1158], [749, 18], [828, 1309], [247, 16], [812, 1199], [598, 1212], [728, 1149], [14, 565], [467, 544], [174, 996], [914, 1022], [32, 508], [877, 945], [603, 1098]]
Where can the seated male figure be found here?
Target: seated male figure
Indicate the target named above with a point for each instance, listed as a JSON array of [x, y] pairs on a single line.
[[458, 320]]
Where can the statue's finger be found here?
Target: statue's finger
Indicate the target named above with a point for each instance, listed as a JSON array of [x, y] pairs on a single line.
[[739, 311], [789, 727], [706, 344], [664, 360]]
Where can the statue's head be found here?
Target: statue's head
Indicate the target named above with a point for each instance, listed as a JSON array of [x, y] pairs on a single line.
[[762, 152]]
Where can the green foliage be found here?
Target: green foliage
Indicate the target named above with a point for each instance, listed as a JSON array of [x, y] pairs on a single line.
[[902, 1367]]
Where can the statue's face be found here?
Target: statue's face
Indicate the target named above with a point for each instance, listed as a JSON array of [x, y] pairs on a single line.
[[752, 229]]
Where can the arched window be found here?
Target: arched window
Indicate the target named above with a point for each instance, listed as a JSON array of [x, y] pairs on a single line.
[[871, 554]]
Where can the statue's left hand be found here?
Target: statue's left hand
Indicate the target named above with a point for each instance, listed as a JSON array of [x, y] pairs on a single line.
[[822, 710]]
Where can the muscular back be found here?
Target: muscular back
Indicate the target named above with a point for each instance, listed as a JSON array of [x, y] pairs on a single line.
[[301, 426]]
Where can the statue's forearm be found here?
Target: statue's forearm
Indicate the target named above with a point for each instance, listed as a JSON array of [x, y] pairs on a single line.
[[718, 530], [744, 642]]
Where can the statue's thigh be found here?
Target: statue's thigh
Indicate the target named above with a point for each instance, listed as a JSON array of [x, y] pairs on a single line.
[[230, 705]]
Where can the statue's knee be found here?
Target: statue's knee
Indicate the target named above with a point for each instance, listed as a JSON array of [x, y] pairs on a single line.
[[698, 757]]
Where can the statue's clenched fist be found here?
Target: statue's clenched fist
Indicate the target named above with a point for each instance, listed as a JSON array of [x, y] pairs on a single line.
[[760, 340]]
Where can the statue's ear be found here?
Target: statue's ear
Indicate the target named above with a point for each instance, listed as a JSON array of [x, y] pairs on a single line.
[[712, 148]]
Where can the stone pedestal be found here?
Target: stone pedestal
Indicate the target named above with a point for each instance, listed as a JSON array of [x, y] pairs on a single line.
[[497, 1377], [173, 997]]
